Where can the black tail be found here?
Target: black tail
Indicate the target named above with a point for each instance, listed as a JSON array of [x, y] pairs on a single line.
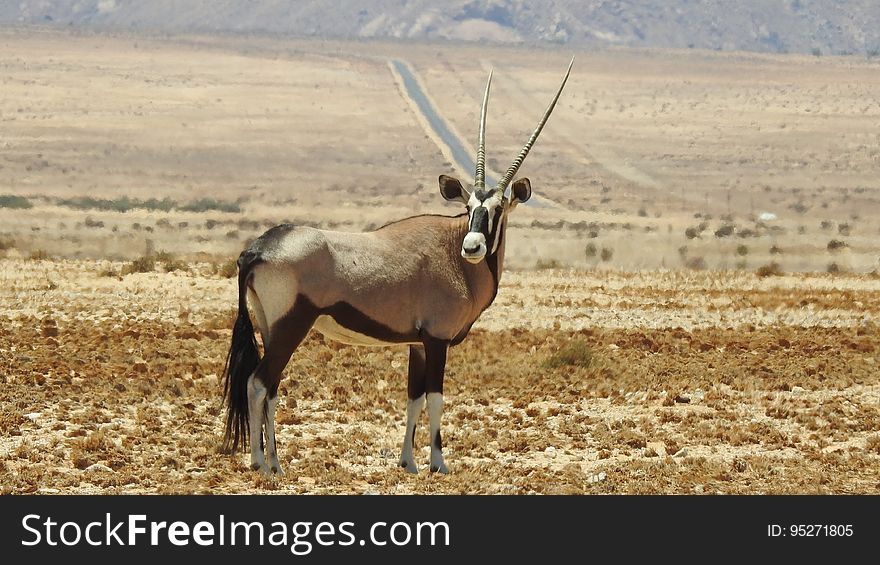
[[241, 361]]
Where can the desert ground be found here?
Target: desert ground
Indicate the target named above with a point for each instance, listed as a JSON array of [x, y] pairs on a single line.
[[695, 311], [589, 382]]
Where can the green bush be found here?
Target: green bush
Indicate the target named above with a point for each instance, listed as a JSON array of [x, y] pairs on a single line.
[[124, 204], [15, 202], [165, 205], [210, 204]]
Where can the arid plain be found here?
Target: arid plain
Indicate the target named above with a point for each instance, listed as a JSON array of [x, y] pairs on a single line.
[[694, 310]]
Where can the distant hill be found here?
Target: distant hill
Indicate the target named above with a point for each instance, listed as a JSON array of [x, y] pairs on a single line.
[[797, 26]]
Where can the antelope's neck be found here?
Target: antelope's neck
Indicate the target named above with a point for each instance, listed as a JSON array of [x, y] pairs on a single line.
[[495, 261]]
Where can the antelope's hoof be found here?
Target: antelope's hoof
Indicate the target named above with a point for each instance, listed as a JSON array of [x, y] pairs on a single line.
[[441, 468], [277, 471], [410, 466], [262, 467]]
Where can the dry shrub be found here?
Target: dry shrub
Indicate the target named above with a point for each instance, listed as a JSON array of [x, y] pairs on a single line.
[[771, 269], [145, 264], [226, 269], [91, 449], [170, 263], [10, 422], [573, 354], [724, 231], [543, 264]]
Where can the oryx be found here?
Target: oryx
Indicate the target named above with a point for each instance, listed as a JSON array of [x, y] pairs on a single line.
[[421, 281]]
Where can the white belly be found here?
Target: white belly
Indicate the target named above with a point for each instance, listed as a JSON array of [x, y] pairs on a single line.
[[331, 330]]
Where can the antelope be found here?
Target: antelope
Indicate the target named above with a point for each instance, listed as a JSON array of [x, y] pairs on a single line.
[[422, 281]]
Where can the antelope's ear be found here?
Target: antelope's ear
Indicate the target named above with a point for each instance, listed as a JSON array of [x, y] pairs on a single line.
[[452, 190], [521, 192]]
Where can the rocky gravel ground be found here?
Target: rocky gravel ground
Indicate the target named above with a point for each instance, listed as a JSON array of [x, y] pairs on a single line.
[[588, 382]]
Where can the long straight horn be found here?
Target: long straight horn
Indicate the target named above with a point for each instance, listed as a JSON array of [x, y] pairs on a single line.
[[480, 174], [511, 171]]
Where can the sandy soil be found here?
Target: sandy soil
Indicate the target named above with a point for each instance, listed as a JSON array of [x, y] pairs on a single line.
[[681, 383], [642, 146]]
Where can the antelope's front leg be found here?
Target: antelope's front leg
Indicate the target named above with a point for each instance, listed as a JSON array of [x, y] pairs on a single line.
[[435, 368], [414, 408], [414, 405], [256, 392]]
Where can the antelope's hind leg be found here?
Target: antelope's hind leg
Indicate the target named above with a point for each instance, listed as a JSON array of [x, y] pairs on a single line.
[[415, 403], [284, 337], [261, 406], [256, 393], [271, 449]]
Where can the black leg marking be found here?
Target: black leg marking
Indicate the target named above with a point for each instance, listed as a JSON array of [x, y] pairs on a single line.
[[435, 368], [284, 337], [416, 376], [435, 364], [416, 396]]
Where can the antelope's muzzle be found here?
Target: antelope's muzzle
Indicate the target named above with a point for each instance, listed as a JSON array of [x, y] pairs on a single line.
[[474, 247]]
